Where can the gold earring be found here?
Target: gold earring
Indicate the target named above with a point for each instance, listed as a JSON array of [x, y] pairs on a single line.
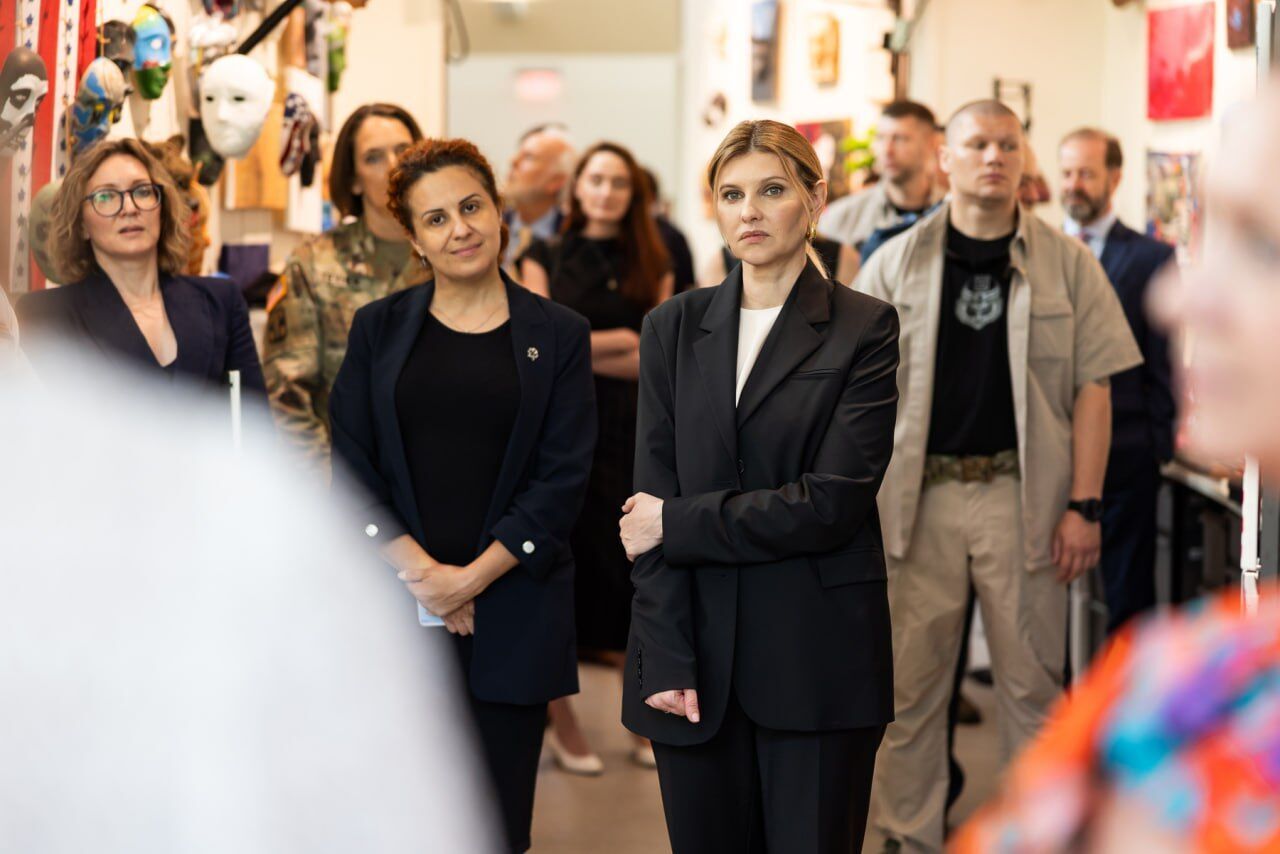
[[813, 231]]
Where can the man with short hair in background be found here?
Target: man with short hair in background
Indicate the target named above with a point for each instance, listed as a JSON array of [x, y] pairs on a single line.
[[537, 185], [1142, 403], [1010, 332], [905, 148]]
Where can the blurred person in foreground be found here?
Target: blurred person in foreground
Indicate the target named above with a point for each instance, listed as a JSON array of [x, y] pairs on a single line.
[[465, 410], [12, 361], [120, 229], [181, 676], [1171, 742]]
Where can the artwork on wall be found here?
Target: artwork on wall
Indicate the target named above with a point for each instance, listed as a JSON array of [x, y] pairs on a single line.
[[1174, 212], [1240, 24], [764, 50], [824, 49], [1180, 62], [827, 139], [1016, 95]]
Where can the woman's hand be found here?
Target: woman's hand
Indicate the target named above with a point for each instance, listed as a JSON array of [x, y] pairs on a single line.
[[641, 524], [462, 621], [679, 702], [441, 588]]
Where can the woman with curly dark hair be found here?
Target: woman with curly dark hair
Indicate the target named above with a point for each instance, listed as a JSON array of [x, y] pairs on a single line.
[[464, 414]]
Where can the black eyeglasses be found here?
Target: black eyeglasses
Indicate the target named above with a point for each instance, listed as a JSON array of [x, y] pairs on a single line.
[[146, 197]]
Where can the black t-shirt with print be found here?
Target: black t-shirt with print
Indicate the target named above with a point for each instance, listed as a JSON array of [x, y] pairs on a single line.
[[972, 412]]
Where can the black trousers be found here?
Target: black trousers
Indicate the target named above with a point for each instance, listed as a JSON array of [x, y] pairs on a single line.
[[751, 790], [511, 740], [1128, 561]]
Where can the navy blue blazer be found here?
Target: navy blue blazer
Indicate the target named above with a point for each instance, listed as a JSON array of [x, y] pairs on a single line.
[[1142, 403], [524, 650], [209, 318]]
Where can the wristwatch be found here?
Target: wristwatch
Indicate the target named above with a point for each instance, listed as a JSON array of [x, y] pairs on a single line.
[[1090, 509]]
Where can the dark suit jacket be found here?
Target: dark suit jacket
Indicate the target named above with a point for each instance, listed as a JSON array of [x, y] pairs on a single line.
[[771, 576], [209, 318], [524, 647], [1142, 403]]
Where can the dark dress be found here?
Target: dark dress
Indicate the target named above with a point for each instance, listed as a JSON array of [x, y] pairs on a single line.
[[585, 275]]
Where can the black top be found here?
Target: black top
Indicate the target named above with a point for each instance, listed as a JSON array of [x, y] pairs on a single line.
[[209, 319], [681, 258], [972, 389], [456, 401], [586, 275], [524, 647], [772, 554]]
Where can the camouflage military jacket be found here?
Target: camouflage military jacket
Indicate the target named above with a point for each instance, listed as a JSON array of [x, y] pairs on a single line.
[[310, 311]]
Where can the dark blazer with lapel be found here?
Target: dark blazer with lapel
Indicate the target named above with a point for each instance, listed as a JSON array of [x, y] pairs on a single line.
[[1142, 403], [524, 648], [209, 318], [771, 577]]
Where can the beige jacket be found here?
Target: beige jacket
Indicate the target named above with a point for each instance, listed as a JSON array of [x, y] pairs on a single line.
[[1066, 329], [852, 219]]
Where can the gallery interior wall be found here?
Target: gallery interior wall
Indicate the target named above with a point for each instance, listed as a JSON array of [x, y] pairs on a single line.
[[716, 58], [1087, 63]]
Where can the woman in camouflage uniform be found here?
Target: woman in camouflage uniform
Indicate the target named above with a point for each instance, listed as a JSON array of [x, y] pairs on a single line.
[[328, 278]]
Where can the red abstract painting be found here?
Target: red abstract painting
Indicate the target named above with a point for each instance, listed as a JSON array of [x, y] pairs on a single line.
[[1180, 62]]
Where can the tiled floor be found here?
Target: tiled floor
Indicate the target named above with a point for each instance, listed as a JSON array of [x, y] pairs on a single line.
[[621, 812]]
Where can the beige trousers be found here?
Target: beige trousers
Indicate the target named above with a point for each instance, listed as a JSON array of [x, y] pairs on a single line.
[[965, 532]]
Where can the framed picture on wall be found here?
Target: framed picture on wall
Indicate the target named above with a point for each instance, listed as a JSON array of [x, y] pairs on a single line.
[[1240, 24], [1180, 62], [764, 50], [824, 49], [1174, 212], [827, 139]]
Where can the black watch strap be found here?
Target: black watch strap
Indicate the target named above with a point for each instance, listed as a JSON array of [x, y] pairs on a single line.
[[1089, 508]]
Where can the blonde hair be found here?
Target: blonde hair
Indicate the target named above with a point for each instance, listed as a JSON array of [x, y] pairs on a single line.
[[800, 165], [67, 242]]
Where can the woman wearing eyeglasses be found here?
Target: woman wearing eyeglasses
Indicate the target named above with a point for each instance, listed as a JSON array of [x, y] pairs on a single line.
[[119, 228]]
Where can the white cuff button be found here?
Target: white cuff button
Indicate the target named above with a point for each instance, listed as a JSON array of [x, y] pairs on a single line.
[[371, 530], [527, 548]]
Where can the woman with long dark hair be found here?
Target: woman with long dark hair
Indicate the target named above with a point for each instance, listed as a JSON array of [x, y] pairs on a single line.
[[610, 265]]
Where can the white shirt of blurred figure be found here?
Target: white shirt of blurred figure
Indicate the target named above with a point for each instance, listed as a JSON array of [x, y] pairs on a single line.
[[12, 362], [195, 657]]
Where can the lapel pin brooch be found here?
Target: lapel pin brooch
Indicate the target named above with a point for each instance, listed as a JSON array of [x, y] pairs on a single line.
[[533, 354]]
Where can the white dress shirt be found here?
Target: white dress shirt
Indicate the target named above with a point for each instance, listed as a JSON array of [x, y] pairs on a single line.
[[1093, 235], [753, 328]]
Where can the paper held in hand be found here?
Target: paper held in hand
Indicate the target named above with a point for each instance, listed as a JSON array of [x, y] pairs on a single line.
[[428, 619]]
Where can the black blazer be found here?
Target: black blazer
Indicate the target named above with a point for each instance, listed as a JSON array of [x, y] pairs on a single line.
[[209, 318], [524, 649], [772, 575], [1143, 411]]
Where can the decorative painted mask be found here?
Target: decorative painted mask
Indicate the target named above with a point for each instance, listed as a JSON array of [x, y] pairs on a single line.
[[225, 8], [118, 45], [98, 103], [235, 97], [153, 52], [23, 85], [38, 230]]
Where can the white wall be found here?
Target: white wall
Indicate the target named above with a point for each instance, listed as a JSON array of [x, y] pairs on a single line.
[[1124, 108], [865, 83], [1087, 62], [627, 98]]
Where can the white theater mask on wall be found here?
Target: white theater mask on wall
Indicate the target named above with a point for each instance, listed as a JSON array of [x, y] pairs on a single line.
[[235, 97]]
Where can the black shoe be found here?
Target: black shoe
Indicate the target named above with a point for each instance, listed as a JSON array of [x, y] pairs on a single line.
[[967, 713]]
